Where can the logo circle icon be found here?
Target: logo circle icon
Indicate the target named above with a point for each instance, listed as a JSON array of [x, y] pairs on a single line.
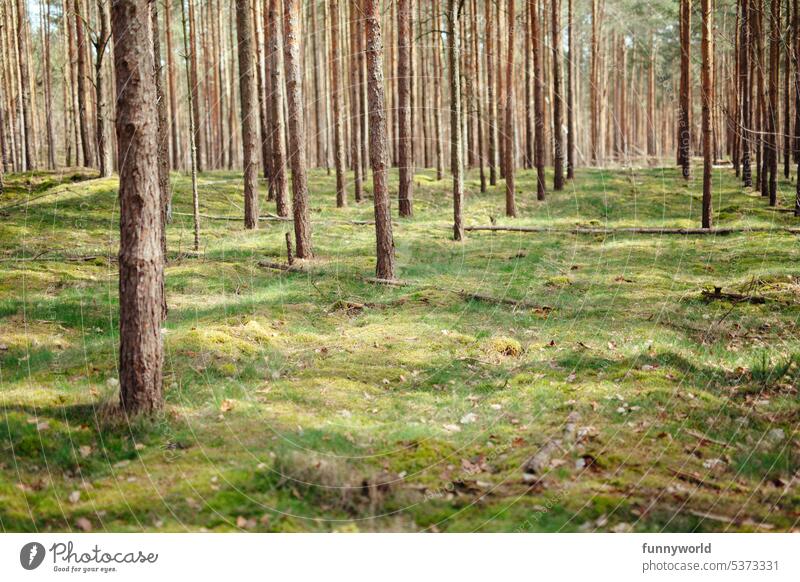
[[31, 555]]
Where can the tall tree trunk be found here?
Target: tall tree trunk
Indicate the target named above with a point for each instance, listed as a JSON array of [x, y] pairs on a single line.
[[706, 110], [198, 132], [336, 96], [787, 92], [355, 101], [491, 100], [141, 261], [572, 63], [594, 80], [745, 92], [83, 95], [297, 128], [773, 107], [558, 134], [165, 196], [406, 157], [456, 147], [538, 97], [173, 95], [190, 94], [28, 137], [379, 156], [437, 90], [103, 137], [277, 128], [684, 112], [478, 93], [511, 205], [48, 93], [248, 111]]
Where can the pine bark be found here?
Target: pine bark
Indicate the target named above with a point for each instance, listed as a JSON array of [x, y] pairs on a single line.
[[745, 92], [141, 261], [102, 133], [406, 154], [378, 142], [28, 137], [772, 103], [684, 112], [355, 101], [558, 134], [571, 64], [707, 97], [165, 196], [456, 147], [336, 96], [538, 97], [491, 99], [277, 128], [297, 128], [248, 110], [511, 205]]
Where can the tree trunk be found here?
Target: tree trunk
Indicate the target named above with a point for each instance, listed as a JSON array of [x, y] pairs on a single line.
[[379, 157], [277, 129], [173, 96], [437, 91], [198, 133], [297, 128], [248, 110], [706, 110], [594, 79], [478, 94], [456, 148], [141, 261], [491, 100], [406, 158], [336, 96], [571, 64], [355, 101], [165, 197], [187, 55], [103, 145], [538, 106], [773, 107], [28, 137], [558, 135], [684, 112], [511, 206], [745, 92]]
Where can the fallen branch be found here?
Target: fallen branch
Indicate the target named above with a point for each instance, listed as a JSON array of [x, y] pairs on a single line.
[[501, 300], [630, 230], [717, 294], [281, 266]]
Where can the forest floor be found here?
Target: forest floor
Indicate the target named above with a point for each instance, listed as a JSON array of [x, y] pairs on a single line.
[[315, 400]]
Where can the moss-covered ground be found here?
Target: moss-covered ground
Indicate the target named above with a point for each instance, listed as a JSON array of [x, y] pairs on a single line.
[[317, 401]]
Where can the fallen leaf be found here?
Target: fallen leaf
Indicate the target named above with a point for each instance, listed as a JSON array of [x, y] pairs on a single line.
[[83, 524], [226, 406]]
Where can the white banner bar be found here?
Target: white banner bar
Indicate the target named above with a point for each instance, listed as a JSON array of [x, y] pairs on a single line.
[[400, 557]]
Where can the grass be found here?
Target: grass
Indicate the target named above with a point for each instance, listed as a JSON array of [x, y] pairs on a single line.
[[316, 401]]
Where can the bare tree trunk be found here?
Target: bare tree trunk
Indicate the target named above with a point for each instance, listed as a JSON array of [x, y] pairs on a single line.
[[538, 106], [437, 90], [103, 145], [336, 96], [199, 145], [511, 206], [491, 100], [25, 84], [706, 110], [406, 157], [744, 92], [277, 129], [264, 142], [478, 94], [572, 62], [379, 157], [787, 92], [248, 111], [48, 93], [165, 195], [297, 128], [190, 93], [558, 134], [456, 148], [173, 96], [684, 113], [141, 260], [594, 80], [772, 105]]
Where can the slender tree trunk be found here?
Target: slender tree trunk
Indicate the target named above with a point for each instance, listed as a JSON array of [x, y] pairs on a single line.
[[336, 96], [248, 111], [264, 142], [355, 101], [277, 128], [437, 90], [511, 205], [173, 96], [558, 134], [190, 94], [745, 92], [199, 144], [141, 260], [538, 97], [297, 128], [165, 196], [491, 100], [684, 112], [773, 106], [406, 158], [456, 148], [379, 156], [28, 137], [572, 63], [478, 94], [706, 110], [48, 93], [103, 137], [594, 81], [787, 92]]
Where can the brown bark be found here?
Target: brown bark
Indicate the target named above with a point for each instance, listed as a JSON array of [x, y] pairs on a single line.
[[491, 100], [379, 156], [336, 96], [772, 103], [102, 133], [198, 132], [355, 101], [558, 134], [478, 94], [456, 147], [141, 261], [192, 130], [707, 97], [511, 206], [173, 96], [684, 112], [297, 128], [594, 81], [406, 157], [538, 106], [437, 91], [165, 196], [248, 111], [572, 62], [745, 92], [28, 137], [277, 128]]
